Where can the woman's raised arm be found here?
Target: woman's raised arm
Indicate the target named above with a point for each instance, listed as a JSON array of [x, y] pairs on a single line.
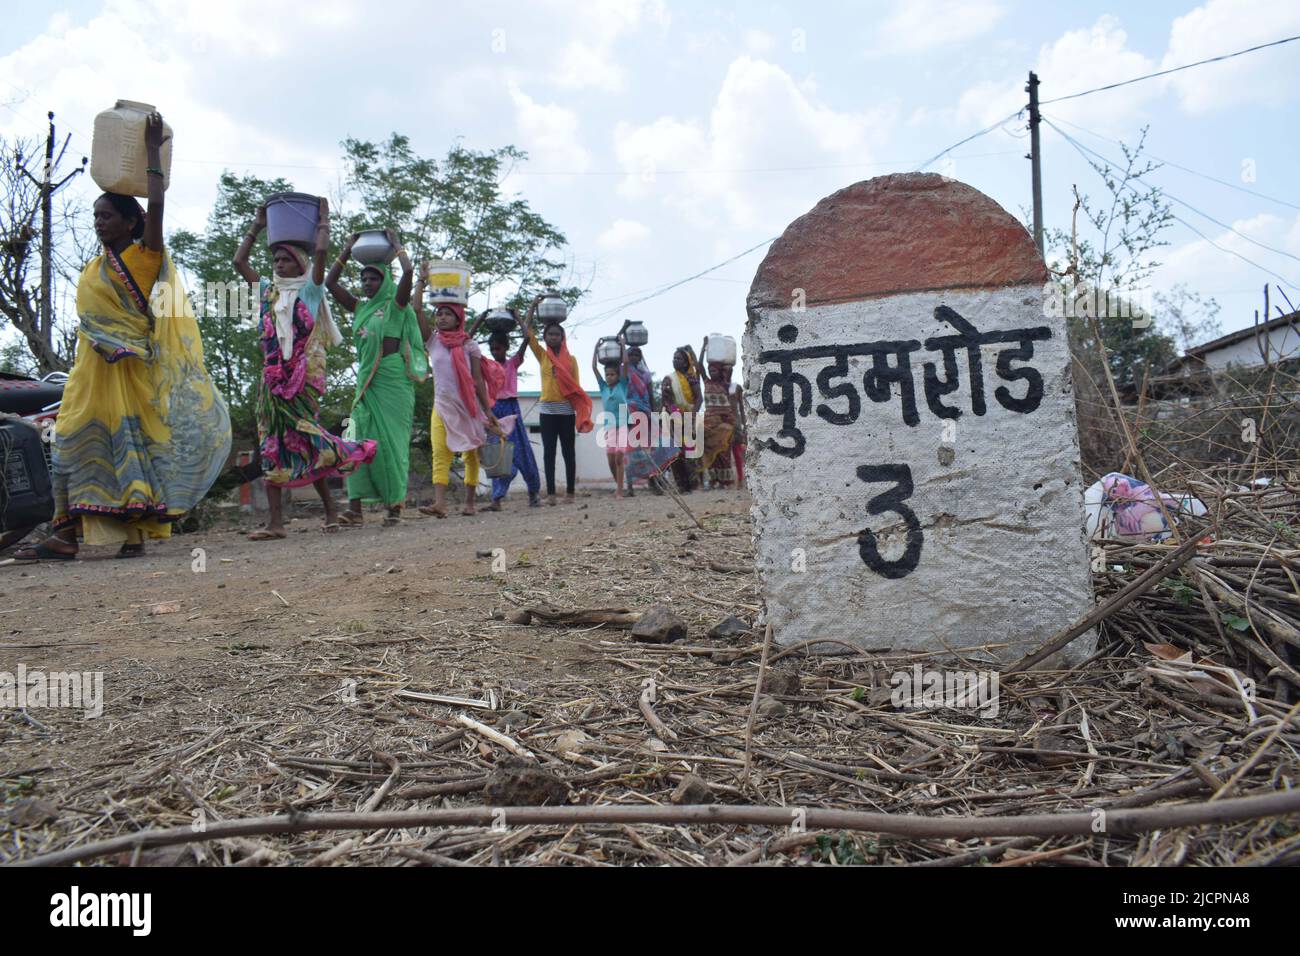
[[322, 242], [341, 295], [245, 247], [417, 303], [153, 222], [403, 297]]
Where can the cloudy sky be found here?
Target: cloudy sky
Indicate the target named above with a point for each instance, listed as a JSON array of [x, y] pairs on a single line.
[[668, 137]]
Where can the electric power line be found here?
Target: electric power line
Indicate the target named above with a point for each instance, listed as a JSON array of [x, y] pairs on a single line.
[[1168, 162], [1203, 215], [1176, 69], [673, 285], [986, 130], [1084, 151]]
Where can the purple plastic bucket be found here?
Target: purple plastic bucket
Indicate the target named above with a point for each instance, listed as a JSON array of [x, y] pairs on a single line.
[[292, 217]]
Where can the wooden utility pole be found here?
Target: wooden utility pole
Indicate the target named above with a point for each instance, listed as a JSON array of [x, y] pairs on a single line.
[[45, 321], [1036, 159]]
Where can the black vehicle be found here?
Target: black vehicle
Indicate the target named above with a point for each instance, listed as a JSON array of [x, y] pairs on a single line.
[[28, 408]]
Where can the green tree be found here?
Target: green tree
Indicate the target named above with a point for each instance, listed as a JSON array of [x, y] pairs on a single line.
[[454, 209]]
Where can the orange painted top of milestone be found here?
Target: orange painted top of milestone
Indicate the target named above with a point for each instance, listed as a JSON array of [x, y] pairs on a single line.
[[909, 232]]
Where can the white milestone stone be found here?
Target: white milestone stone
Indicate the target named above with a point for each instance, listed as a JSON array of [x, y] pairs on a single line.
[[995, 506]]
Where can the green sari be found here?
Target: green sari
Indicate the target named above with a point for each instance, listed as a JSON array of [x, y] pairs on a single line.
[[384, 406]]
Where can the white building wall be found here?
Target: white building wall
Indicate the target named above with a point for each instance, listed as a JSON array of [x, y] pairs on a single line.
[[593, 467], [1282, 343]]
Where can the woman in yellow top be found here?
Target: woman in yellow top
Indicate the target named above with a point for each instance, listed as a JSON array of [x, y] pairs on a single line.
[[141, 433], [682, 396], [564, 408]]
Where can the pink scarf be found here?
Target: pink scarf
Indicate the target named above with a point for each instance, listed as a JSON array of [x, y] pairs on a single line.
[[454, 342]]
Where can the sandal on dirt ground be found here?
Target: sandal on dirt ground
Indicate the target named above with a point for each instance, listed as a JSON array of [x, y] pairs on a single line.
[[392, 521], [433, 511], [331, 527], [131, 551], [41, 553], [350, 519], [266, 534]]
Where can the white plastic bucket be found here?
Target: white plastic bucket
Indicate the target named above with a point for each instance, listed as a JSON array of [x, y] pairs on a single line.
[[448, 281], [722, 348], [118, 160]]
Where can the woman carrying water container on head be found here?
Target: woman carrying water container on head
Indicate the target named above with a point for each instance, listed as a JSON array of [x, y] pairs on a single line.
[[462, 403], [565, 407], [613, 379], [719, 410], [391, 361], [141, 433], [296, 329], [500, 322]]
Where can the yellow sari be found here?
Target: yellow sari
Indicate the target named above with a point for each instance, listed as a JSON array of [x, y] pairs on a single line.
[[142, 433]]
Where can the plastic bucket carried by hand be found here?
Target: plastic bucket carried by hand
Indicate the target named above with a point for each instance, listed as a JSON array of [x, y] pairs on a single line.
[[497, 456], [292, 217], [448, 281]]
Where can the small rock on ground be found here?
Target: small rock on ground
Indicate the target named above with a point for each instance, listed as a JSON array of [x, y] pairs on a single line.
[[692, 790], [729, 626], [517, 783], [782, 683], [659, 625]]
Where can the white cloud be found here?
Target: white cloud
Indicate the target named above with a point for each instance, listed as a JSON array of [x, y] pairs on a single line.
[[759, 42], [916, 26], [132, 50], [762, 119], [590, 60], [549, 133], [1268, 77], [621, 235], [1078, 60], [1195, 260], [1085, 59]]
